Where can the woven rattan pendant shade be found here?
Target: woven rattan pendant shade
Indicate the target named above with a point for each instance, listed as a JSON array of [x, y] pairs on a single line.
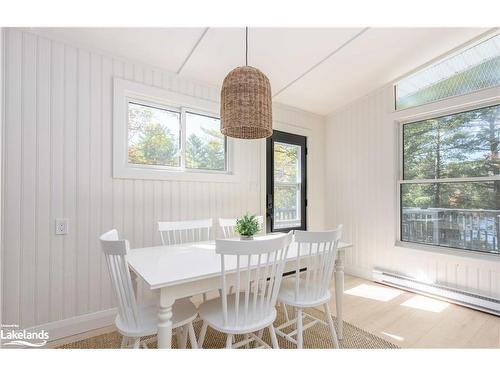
[[246, 106]]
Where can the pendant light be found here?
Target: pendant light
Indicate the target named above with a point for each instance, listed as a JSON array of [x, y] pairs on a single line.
[[246, 105]]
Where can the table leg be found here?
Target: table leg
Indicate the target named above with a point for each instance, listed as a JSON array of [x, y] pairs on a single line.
[[165, 319], [133, 277], [339, 293]]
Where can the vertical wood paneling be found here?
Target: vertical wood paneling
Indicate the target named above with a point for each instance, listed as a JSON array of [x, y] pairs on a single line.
[[361, 166], [12, 177], [96, 162], [118, 184], [83, 180], [57, 178], [43, 181], [28, 185], [58, 164], [70, 179], [107, 201]]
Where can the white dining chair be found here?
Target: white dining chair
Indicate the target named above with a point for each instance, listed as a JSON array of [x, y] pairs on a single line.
[[317, 252], [227, 226], [135, 321], [228, 231], [179, 232], [255, 269]]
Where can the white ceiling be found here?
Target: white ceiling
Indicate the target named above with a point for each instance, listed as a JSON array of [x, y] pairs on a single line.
[[315, 69]]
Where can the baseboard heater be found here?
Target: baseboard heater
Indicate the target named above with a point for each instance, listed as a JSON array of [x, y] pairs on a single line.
[[459, 297]]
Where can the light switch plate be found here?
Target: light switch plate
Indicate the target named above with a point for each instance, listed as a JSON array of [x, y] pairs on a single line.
[[61, 226]]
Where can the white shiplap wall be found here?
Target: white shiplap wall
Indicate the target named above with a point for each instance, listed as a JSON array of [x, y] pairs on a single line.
[[58, 164], [361, 191]]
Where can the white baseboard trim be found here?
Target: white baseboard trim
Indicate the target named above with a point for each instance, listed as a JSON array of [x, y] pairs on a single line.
[[78, 324], [363, 273]]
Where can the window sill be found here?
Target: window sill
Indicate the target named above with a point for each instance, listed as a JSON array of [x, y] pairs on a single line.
[[152, 173], [448, 251]]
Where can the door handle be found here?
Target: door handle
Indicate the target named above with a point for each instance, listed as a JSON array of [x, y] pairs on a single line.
[[269, 205]]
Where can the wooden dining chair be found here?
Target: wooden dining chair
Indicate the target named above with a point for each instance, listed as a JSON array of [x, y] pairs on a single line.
[[135, 321], [255, 269], [179, 232], [317, 252], [227, 226]]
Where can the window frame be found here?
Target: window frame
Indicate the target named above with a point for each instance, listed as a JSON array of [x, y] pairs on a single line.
[[467, 103], [292, 137], [126, 92], [454, 52]]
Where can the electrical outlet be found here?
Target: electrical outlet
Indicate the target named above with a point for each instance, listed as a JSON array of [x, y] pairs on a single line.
[[61, 226]]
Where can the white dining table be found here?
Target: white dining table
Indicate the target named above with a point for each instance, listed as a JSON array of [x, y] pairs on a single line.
[[185, 270]]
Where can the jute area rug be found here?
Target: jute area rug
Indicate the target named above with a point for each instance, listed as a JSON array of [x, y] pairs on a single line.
[[316, 337]]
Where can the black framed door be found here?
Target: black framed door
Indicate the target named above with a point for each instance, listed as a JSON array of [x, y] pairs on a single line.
[[286, 180]]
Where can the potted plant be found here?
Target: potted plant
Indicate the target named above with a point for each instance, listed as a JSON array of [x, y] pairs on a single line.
[[247, 226]]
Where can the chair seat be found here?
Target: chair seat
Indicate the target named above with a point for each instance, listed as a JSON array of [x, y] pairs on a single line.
[[211, 313], [183, 312], [304, 298]]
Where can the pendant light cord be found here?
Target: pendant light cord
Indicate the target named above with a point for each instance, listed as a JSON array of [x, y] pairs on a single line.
[[246, 46]]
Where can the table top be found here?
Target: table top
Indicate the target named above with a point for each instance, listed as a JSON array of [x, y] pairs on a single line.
[[161, 266]]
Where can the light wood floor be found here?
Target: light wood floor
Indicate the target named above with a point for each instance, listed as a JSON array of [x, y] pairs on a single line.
[[379, 309], [425, 323]]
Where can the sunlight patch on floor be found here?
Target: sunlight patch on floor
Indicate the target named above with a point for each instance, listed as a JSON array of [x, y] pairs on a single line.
[[395, 337], [374, 292], [426, 303]]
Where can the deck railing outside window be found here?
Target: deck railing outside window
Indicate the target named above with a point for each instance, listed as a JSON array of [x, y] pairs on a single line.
[[457, 228]]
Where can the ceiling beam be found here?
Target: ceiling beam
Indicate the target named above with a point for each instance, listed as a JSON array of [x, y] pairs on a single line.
[[192, 50], [322, 61]]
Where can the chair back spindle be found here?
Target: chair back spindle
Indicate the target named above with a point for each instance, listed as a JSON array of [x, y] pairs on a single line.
[[254, 269], [179, 232], [115, 251], [317, 252]]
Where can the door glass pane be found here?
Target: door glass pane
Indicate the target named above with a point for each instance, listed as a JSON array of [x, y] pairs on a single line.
[[153, 136], [287, 185]]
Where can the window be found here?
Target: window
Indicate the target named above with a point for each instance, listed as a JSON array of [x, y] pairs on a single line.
[[450, 187], [205, 144], [473, 69], [153, 136], [158, 134]]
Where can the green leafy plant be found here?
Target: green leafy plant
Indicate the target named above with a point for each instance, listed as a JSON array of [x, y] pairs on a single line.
[[247, 225]]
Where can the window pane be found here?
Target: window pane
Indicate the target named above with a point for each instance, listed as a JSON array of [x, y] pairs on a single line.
[[286, 206], [471, 70], [460, 215], [205, 144], [460, 145], [153, 136], [287, 183], [286, 163]]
